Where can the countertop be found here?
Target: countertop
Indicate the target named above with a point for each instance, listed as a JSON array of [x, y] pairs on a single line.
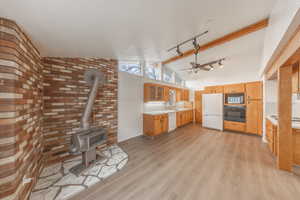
[[160, 112], [295, 124]]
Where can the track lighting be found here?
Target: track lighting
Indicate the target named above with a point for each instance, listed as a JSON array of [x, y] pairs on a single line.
[[221, 65], [196, 45], [211, 68], [178, 51]]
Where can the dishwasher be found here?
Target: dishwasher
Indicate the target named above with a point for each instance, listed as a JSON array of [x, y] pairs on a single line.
[[172, 121]]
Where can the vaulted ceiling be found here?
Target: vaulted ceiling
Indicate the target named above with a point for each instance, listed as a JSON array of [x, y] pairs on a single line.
[[132, 29]]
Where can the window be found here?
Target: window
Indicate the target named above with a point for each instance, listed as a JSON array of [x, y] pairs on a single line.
[[178, 80], [153, 71], [132, 67], [168, 75]]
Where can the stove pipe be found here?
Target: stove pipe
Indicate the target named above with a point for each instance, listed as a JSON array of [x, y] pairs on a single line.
[[94, 78]]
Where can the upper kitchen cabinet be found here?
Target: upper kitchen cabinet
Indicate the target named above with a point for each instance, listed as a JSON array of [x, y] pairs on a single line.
[[254, 90], [154, 92], [296, 78], [185, 95], [182, 95], [214, 89], [178, 95], [166, 93], [234, 88]]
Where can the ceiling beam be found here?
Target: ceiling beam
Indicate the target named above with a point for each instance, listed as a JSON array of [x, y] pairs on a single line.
[[229, 37]]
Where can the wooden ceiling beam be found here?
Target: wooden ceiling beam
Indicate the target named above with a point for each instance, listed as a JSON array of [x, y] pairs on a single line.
[[229, 37], [289, 54]]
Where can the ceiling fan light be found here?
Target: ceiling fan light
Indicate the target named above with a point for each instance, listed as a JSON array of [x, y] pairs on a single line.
[[221, 65]]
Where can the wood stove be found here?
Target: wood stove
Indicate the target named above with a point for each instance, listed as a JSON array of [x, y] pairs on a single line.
[[88, 138]]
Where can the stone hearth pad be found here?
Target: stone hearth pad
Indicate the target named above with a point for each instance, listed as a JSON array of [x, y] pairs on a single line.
[[57, 183]]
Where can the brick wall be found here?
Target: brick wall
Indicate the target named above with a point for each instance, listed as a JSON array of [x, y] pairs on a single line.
[[65, 94], [20, 111], [41, 102]]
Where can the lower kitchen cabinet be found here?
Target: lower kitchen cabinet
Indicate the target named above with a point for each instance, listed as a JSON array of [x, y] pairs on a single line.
[[155, 124], [271, 133], [234, 126], [184, 117], [272, 139]]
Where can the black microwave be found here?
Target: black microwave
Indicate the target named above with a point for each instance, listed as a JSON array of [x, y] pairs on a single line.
[[236, 98]]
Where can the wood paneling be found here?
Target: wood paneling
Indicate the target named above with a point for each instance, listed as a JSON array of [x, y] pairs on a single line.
[[288, 56], [285, 156], [229, 37]]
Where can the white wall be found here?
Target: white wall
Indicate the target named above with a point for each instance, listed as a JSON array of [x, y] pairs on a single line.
[[130, 106], [277, 33]]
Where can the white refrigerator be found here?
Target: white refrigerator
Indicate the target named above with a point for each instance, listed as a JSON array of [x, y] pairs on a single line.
[[212, 111]]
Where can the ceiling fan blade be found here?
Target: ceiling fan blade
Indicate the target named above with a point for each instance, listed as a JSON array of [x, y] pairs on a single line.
[[187, 69]]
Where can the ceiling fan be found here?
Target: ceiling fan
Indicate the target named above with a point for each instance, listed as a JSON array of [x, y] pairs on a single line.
[[205, 67]]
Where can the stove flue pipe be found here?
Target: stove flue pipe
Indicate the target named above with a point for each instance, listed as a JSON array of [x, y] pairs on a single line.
[[94, 78]]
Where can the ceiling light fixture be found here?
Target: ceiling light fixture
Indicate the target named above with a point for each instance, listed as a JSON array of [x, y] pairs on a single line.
[[195, 44], [221, 65], [209, 66], [178, 51]]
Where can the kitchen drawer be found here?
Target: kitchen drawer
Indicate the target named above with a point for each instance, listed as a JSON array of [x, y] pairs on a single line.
[[234, 126], [160, 116]]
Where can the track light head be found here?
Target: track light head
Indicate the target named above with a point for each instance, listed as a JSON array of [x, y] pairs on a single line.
[[196, 45], [178, 51], [221, 65], [211, 68]]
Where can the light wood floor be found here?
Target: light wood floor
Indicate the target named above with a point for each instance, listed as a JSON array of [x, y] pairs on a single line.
[[195, 163]]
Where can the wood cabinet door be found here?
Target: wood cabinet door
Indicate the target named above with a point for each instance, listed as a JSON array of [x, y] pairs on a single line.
[[209, 89], [157, 126], [296, 79], [166, 123], [198, 106], [219, 89], [178, 95], [166, 94], [160, 93], [152, 93], [254, 90], [252, 117], [234, 88], [183, 95], [187, 95], [178, 117]]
